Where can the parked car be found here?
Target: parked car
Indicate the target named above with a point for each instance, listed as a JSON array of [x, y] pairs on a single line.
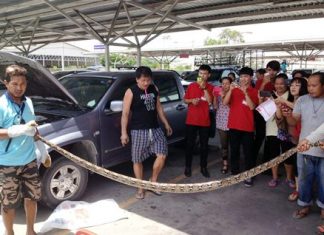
[[216, 75], [82, 114], [184, 74], [60, 74], [96, 68]]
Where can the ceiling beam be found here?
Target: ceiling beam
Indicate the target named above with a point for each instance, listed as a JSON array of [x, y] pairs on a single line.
[[170, 16], [159, 22], [140, 21], [16, 34], [73, 20]]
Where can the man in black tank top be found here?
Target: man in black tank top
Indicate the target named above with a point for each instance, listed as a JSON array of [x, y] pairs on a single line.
[[143, 101]]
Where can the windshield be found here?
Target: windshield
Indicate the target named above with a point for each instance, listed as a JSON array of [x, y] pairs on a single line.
[[86, 90]]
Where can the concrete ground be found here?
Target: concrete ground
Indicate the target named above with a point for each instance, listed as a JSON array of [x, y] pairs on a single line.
[[232, 210]]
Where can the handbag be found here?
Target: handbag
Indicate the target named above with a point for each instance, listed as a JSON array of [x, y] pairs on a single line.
[[283, 133], [212, 127]]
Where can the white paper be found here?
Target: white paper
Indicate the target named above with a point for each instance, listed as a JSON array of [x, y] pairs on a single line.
[[267, 109]]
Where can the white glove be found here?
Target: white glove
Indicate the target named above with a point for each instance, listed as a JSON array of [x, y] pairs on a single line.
[[42, 154], [23, 129]]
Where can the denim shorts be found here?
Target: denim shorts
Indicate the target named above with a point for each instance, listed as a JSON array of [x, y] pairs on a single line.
[[147, 142], [18, 182]]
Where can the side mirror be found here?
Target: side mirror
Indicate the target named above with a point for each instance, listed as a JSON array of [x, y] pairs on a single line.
[[116, 105]]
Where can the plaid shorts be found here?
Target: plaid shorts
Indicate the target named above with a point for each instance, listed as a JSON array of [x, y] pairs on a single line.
[[147, 142], [18, 182]]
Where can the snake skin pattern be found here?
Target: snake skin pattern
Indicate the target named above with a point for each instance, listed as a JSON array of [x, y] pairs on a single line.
[[175, 188]]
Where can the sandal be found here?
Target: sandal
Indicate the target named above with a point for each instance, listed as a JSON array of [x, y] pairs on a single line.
[[224, 170], [158, 193], [140, 195], [291, 183], [301, 213], [293, 196], [320, 229], [273, 183]]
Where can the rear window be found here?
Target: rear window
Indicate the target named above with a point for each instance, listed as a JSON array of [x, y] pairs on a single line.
[[167, 86]]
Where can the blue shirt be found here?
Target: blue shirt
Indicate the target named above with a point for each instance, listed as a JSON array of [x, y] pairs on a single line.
[[21, 150]]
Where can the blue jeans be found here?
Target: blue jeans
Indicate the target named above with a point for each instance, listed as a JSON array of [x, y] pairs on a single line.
[[310, 168]]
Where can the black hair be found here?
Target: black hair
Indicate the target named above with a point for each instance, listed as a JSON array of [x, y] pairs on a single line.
[[246, 70], [321, 76], [303, 88], [205, 67], [261, 71], [226, 78], [143, 70], [231, 73], [282, 75], [302, 72], [14, 70], [274, 65]]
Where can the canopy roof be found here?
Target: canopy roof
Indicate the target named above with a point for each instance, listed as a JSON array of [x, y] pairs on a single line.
[[29, 22]]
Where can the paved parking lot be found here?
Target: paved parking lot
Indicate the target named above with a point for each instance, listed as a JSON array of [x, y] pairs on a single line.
[[232, 210]]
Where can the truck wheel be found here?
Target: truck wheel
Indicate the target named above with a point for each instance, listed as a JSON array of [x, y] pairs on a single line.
[[64, 180]]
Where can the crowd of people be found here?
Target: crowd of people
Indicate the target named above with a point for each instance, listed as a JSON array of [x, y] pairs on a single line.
[[299, 111], [298, 120]]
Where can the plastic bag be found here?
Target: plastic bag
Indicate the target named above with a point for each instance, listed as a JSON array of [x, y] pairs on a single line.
[[74, 215], [42, 155]]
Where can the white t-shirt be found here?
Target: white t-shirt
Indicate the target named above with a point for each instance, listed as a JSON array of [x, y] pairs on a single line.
[[271, 124]]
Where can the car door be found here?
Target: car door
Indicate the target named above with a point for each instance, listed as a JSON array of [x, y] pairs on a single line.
[[111, 148], [172, 102]]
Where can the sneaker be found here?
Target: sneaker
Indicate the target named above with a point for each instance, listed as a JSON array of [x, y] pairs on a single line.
[[273, 183], [291, 183], [248, 182]]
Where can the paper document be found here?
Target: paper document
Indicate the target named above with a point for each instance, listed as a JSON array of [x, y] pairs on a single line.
[[267, 109]]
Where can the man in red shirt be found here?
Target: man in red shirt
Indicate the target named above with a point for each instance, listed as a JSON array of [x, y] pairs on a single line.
[[198, 97], [242, 99]]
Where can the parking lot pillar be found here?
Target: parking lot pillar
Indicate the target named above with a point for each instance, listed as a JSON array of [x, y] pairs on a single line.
[[139, 56], [107, 57]]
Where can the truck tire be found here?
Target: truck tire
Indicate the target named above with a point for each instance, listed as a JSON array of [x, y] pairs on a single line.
[[64, 180]]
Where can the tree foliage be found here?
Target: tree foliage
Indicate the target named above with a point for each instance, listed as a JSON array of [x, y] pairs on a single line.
[[119, 59], [227, 36]]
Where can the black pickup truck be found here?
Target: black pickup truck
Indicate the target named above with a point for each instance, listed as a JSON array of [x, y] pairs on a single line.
[[82, 113]]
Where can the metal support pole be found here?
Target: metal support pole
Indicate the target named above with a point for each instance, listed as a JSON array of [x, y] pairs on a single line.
[[256, 59], [243, 62], [139, 56], [107, 57], [62, 57]]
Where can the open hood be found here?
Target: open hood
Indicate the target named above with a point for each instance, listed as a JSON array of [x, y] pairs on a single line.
[[40, 81]]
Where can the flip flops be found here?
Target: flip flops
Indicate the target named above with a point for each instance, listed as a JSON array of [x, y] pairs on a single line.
[[320, 229], [158, 193], [301, 213], [293, 196], [140, 195], [273, 183]]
